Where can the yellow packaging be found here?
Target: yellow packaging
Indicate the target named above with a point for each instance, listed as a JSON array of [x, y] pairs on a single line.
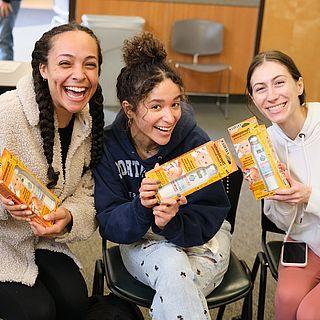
[[258, 158], [19, 184], [194, 170]]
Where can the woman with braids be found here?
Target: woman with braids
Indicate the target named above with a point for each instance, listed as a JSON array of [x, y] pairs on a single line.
[[178, 247], [53, 122]]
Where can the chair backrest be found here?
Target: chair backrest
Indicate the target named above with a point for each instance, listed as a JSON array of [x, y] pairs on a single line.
[[197, 37], [232, 185]]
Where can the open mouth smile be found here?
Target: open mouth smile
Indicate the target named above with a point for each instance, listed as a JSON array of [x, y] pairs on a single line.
[[75, 92], [164, 129], [276, 108]]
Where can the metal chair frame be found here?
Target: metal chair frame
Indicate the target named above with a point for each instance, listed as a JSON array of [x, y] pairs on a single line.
[[266, 259], [199, 38]]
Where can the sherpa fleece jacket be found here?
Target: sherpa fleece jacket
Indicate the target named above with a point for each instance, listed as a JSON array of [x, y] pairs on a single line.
[[20, 133]]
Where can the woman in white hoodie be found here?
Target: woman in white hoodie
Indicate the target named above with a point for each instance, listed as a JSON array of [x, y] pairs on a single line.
[[276, 87]]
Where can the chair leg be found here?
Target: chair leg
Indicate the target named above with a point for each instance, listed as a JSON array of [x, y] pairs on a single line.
[[260, 261], [220, 312], [98, 279], [246, 313], [226, 107], [255, 268], [262, 286]]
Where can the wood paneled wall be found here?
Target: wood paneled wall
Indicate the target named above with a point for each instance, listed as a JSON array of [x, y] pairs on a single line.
[[239, 34], [293, 27]]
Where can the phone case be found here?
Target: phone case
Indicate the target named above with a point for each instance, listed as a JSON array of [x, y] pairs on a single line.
[[294, 264]]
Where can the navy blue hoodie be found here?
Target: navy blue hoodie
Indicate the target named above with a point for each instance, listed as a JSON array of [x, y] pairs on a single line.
[[122, 218]]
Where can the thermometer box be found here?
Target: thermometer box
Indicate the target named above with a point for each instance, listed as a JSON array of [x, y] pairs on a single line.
[[194, 170], [259, 161]]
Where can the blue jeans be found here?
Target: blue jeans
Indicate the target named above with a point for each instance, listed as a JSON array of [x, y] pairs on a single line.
[[6, 27]]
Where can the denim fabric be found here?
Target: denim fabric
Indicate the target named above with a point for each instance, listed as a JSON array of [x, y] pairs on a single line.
[[6, 27]]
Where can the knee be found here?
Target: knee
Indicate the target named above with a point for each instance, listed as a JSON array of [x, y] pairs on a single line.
[[176, 273], [72, 306], [287, 296], [44, 311], [308, 311], [175, 264]]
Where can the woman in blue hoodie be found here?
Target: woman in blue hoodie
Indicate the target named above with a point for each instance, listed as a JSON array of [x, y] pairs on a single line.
[[180, 247]]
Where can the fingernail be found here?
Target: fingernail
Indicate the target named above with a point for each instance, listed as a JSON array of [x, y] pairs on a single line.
[[11, 203], [23, 206], [29, 213], [46, 217]]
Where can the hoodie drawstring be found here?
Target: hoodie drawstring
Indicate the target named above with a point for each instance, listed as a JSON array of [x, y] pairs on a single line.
[[302, 137]]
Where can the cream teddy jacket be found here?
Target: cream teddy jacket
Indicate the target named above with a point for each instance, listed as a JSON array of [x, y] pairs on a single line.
[[19, 123]]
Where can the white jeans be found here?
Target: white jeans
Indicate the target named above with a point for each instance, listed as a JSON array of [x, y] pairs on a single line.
[[181, 281]]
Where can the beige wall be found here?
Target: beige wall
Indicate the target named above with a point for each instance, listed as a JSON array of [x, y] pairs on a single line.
[[293, 26], [239, 39]]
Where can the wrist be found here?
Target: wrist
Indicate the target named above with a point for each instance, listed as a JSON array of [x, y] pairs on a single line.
[[70, 221]]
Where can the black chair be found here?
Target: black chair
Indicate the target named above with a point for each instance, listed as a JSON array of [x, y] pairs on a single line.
[[236, 284], [266, 259]]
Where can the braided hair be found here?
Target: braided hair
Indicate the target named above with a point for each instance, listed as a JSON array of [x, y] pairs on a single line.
[[45, 104], [145, 67]]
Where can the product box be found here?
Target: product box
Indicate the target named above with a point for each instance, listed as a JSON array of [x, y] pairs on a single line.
[[20, 185], [194, 170], [259, 161]]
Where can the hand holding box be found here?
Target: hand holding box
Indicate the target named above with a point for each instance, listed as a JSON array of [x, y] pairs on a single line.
[[259, 161], [22, 187], [193, 170]]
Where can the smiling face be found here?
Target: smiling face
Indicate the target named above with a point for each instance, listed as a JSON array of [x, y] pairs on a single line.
[[275, 92], [71, 72], [156, 116]]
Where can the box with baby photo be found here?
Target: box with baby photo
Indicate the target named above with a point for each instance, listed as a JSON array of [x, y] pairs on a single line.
[[194, 170], [22, 187], [259, 161]]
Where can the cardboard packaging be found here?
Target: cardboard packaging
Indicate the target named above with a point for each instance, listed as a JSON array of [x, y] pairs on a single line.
[[19, 184], [259, 161], [194, 170]]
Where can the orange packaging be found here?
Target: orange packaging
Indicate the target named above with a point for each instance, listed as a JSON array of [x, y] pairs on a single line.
[[259, 161], [19, 184], [194, 170]]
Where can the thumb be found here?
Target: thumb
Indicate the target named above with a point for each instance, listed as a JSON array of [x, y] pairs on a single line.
[[49, 217]]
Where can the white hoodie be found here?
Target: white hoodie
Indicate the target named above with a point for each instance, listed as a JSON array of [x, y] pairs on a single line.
[[303, 162]]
